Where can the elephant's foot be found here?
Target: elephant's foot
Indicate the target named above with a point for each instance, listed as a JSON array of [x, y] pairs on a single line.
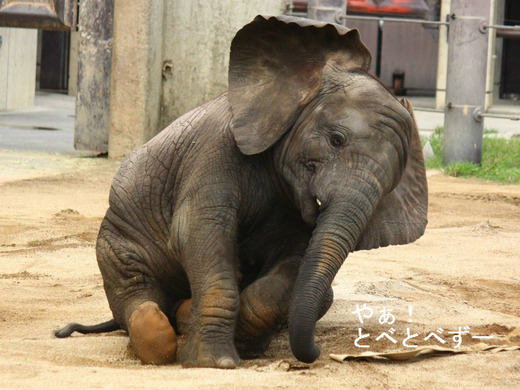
[[247, 348], [151, 335], [257, 323], [264, 306], [196, 353], [182, 316]]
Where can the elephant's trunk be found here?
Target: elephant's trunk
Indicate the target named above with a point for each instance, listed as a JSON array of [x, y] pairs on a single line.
[[338, 230]]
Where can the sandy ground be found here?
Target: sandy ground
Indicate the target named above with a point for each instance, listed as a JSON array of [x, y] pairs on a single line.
[[464, 272]]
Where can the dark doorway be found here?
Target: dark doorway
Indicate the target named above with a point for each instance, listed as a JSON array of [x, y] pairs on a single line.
[[54, 66], [510, 81]]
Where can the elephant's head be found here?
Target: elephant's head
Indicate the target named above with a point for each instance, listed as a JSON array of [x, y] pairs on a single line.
[[349, 150]]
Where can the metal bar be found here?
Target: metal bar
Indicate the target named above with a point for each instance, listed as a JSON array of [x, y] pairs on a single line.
[[294, 13], [427, 109], [412, 21], [331, 9], [502, 31], [501, 27], [511, 117], [392, 20], [500, 116], [508, 34]]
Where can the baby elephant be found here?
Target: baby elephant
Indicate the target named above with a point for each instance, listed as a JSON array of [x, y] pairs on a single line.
[[235, 219]]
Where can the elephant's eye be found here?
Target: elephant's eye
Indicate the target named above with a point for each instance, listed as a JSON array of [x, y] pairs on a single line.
[[336, 140]]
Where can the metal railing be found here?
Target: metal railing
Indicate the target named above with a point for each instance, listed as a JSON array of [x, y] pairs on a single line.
[[503, 31], [383, 19], [485, 114], [501, 27]]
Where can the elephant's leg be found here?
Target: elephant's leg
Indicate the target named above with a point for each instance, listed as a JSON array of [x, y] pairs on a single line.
[[264, 307], [137, 304], [207, 251], [263, 310], [212, 323]]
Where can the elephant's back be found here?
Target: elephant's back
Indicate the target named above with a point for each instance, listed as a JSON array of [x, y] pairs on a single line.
[[145, 188]]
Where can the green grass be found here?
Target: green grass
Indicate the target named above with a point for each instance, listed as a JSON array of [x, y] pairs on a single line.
[[500, 159]]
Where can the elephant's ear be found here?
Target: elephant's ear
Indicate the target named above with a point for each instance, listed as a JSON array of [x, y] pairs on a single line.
[[275, 69], [401, 215]]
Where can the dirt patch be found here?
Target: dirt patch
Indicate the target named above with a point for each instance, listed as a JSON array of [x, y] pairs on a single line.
[[463, 274]]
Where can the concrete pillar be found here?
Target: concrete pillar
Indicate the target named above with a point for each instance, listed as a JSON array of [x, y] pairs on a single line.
[[466, 81], [326, 10], [17, 68], [94, 66], [442, 61], [136, 74], [73, 63]]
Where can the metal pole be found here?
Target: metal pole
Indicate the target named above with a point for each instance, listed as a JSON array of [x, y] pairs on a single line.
[[442, 58], [466, 81], [379, 51], [327, 10]]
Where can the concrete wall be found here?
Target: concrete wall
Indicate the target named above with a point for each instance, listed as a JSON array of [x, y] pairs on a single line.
[[17, 68], [197, 37], [170, 56]]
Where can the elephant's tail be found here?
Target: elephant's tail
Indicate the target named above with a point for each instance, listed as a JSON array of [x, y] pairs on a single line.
[[108, 326]]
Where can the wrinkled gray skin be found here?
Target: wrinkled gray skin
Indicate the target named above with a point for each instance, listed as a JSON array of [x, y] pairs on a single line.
[[222, 205]]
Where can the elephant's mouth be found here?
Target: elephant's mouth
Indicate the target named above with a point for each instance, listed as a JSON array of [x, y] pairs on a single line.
[[310, 207], [310, 203]]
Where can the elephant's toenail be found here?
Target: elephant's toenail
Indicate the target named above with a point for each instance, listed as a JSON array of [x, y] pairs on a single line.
[[227, 363], [207, 362]]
